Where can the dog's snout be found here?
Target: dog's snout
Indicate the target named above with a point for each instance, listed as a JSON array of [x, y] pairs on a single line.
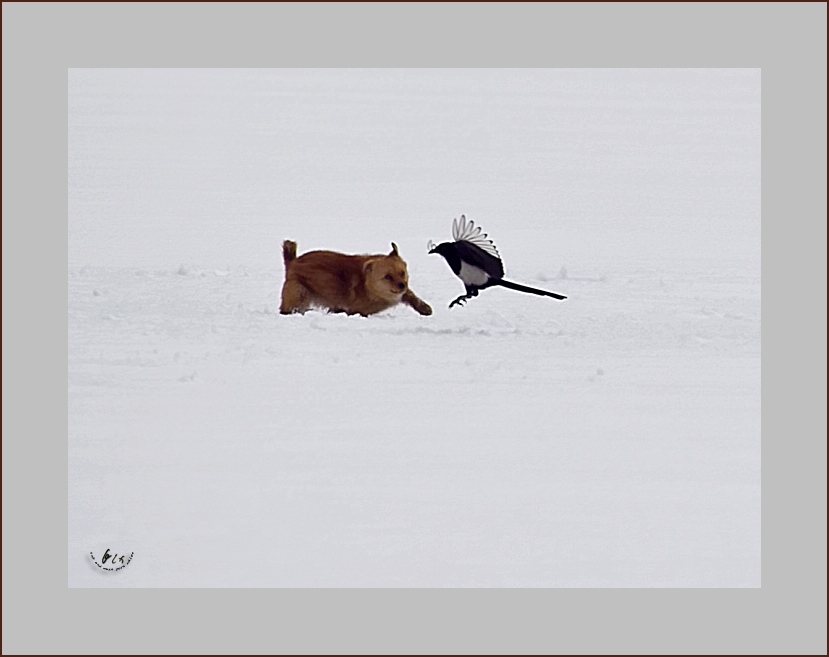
[[401, 286]]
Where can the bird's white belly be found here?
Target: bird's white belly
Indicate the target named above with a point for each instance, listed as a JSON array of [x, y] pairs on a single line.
[[472, 275]]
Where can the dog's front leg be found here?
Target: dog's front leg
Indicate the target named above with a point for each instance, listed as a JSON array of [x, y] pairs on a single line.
[[417, 303]]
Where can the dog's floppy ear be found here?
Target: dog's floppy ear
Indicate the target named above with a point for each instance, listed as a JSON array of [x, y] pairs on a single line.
[[394, 249]]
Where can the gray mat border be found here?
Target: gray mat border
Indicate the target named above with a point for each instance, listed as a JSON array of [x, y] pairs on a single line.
[[41, 615]]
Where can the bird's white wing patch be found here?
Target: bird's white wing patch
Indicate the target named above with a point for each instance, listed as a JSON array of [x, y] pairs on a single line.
[[466, 231]]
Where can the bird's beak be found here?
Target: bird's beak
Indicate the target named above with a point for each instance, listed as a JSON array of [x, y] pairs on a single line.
[[431, 247]]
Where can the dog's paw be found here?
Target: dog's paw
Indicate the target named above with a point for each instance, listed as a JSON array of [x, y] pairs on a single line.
[[420, 306]]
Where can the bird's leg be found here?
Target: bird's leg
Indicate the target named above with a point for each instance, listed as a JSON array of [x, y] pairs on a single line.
[[461, 300]]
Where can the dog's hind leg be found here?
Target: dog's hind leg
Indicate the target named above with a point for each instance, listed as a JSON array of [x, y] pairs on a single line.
[[296, 298]]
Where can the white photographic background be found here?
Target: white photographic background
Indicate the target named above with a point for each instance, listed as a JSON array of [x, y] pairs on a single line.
[[610, 440]]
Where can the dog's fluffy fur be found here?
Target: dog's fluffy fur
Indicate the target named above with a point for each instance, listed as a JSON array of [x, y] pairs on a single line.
[[352, 284]]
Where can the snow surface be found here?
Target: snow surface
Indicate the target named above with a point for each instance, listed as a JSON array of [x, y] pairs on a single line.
[[609, 440]]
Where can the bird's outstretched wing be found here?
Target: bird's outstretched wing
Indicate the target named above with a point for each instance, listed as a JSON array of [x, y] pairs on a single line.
[[466, 231], [472, 254]]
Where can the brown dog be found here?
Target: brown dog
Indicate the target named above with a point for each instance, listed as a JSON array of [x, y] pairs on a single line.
[[351, 284]]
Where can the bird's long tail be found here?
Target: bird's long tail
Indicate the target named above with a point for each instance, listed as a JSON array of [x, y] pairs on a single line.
[[531, 290]]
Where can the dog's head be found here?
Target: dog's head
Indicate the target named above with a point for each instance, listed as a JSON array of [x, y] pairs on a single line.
[[387, 276]]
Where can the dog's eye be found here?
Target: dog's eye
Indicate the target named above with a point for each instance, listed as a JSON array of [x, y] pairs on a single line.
[[388, 277]]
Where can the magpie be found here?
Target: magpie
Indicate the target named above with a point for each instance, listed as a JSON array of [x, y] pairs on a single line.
[[476, 261]]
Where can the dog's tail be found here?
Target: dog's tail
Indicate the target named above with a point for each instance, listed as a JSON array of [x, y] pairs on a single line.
[[288, 251]]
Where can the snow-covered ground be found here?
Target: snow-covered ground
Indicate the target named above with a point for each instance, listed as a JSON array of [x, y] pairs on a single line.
[[609, 440]]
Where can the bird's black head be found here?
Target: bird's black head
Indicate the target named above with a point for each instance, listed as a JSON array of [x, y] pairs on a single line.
[[449, 251], [442, 248]]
